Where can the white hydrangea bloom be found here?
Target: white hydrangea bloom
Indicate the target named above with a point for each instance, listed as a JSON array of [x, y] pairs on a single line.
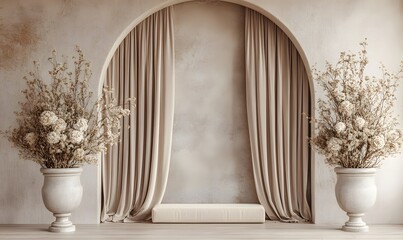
[[81, 125], [53, 137], [378, 142], [333, 145], [79, 153], [60, 125], [48, 118], [360, 122], [76, 136], [346, 107], [340, 127], [30, 138], [63, 138]]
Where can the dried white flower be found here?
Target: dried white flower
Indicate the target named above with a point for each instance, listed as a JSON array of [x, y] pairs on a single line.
[[109, 133], [340, 127], [79, 153], [360, 122], [60, 125], [53, 137], [76, 136], [63, 138], [101, 147], [126, 112], [115, 123], [30, 138], [378, 142], [91, 158], [81, 125], [48, 118], [333, 145], [338, 95], [394, 146], [346, 107], [394, 135], [367, 131]]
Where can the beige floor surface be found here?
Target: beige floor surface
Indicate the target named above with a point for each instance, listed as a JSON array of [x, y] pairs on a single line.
[[268, 230]]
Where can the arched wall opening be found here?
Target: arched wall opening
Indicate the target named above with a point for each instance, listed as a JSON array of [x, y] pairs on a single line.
[[255, 7], [238, 2]]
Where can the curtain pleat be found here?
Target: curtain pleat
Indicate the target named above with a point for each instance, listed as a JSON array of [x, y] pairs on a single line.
[[135, 171], [277, 94]]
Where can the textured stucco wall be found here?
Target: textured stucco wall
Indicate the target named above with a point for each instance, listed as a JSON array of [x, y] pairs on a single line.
[[210, 159], [31, 29]]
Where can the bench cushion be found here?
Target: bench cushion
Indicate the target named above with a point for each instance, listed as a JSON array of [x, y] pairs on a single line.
[[208, 213]]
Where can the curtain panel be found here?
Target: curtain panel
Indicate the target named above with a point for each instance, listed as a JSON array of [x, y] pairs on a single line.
[[135, 171], [277, 95]]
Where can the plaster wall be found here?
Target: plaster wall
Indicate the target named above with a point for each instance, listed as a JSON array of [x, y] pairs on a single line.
[[31, 29], [211, 159]]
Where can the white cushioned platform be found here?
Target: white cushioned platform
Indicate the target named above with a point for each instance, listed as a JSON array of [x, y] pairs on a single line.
[[208, 213]]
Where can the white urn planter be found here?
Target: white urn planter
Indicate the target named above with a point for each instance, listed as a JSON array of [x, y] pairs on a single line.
[[61, 194], [355, 193]]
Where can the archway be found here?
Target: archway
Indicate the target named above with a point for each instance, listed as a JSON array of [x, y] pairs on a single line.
[[117, 43], [255, 7]]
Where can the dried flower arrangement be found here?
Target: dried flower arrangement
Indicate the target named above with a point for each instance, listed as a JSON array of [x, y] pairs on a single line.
[[60, 125], [356, 127]]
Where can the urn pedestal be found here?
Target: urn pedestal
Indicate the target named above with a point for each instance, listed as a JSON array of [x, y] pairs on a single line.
[[61, 194], [355, 193]]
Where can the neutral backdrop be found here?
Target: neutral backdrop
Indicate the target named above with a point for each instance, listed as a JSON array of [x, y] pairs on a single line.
[[211, 158], [320, 29]]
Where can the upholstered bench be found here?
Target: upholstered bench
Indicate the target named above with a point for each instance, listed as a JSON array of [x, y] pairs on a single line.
[[208, 213]]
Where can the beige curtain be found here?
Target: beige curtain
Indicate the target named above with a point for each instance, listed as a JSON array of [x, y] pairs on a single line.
[[277, 95], [134, 173]]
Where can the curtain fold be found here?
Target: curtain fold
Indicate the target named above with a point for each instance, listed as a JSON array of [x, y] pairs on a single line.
[[135, 171], [277, 93]]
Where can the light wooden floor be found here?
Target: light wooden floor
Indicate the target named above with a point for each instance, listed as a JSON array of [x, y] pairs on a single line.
[[269, 230]]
